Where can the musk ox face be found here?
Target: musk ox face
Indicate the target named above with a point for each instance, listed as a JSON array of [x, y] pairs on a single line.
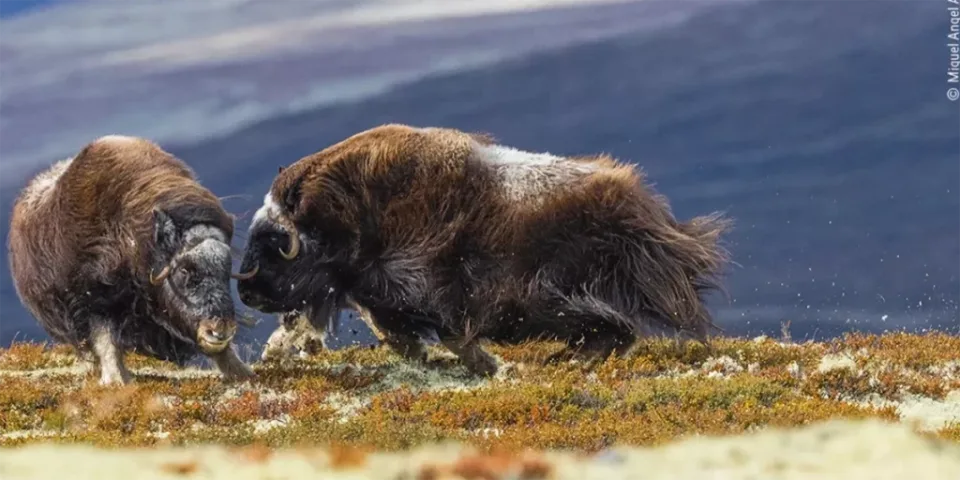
[[284, 271], [192, 278]]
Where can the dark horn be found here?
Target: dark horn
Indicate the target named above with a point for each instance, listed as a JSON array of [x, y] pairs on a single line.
[[157, 280], [294, 241]]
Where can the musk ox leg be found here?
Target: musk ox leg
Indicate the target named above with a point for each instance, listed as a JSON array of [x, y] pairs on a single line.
[[398, 331], [476, 359], [231, 367], [294, 335], [594, 330], [103, 341], [408, 347]]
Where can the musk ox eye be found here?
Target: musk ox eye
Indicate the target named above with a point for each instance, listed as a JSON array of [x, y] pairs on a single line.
[[275, 239], [188, 278]]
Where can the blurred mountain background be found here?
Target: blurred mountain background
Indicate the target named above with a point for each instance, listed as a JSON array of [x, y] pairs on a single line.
[[822, 127]]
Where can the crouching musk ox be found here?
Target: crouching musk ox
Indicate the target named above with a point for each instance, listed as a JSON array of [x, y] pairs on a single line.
[[435, 231], [120, 248]]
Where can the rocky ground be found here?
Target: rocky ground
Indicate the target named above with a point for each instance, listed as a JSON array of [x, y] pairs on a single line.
[[858, 407]]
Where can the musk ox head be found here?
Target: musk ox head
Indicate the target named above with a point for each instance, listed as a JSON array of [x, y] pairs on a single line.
[[285, 268], [191, 276]]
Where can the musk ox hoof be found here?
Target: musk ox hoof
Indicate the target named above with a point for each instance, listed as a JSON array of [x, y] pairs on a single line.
[[562, 356], [286, 342], [484, 366], [483, 369], [238, 373], [114, 377], [409, 348], [232, 369], [310, 344], [277, 345]]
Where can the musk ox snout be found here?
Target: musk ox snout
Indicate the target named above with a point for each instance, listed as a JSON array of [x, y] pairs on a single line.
[[215, 334], [271, 264], [259, 293], [248, 279]]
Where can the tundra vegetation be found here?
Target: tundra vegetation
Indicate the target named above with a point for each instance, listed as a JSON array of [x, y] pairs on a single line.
[[517, 393], [370, 398]]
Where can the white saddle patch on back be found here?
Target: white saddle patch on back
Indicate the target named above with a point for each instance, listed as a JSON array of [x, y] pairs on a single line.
[[527, 176]]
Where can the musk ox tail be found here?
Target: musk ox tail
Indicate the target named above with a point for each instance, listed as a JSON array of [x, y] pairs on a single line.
[[692, 264], [706, 253], [662, 268], [614, 242]]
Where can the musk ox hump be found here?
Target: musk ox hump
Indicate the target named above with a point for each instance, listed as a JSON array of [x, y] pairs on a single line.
[[118, 140], [40, 186]]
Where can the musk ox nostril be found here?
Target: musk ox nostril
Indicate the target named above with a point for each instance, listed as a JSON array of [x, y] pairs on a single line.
[[214, 333], [219, 336]]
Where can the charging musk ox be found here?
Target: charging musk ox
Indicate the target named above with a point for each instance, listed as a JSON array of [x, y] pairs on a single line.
[[120, 248], [435, 231]]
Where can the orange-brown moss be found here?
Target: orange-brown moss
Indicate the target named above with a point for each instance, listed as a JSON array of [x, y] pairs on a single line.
[[32, 356], [906, 350], [661, 392]]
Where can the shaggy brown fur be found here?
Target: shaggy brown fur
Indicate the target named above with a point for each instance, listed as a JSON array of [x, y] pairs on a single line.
[[441, 231], [87, 235]]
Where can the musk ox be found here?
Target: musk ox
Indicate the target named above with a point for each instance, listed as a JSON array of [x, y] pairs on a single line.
[[439, 232], [120, 248]]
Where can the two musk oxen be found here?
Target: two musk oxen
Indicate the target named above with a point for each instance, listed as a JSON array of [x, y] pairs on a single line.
[[120, 248], [435, 231]]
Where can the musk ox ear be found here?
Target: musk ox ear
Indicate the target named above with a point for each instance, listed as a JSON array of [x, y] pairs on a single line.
[[164, 230], [292, 196]]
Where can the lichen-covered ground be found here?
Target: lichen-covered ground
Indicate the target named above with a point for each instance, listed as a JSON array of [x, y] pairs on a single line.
[[364, 399]]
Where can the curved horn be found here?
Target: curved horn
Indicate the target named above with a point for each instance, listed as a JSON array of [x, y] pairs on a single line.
[[294, 240], [247, 275], [160, 278]]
